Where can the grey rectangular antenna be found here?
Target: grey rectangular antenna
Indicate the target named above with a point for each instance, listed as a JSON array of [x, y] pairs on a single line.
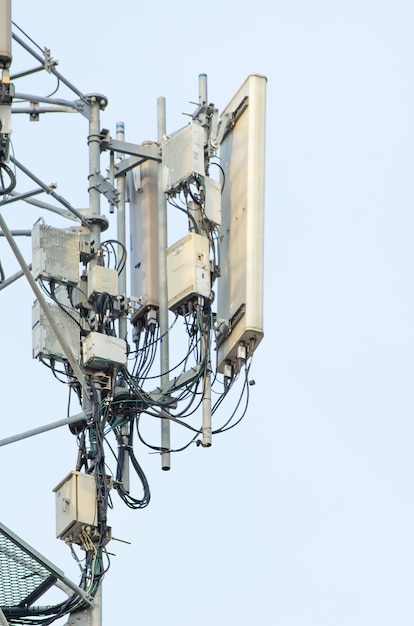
[[183, 155], [44, 341], [56, 253], [240, 287]]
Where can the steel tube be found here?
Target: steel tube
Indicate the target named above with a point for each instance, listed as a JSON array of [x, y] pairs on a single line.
[[122, 286], [94, 143], [42, 429], [12, 279], [52, 69], [49, 191], [121, 226], [163, 287], [3, 620]]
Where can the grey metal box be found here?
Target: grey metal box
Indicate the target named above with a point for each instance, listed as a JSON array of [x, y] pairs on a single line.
[[75, 505], [55, 253], [44, 341]]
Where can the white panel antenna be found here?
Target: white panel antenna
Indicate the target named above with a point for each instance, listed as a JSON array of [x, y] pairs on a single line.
[[240, 287]]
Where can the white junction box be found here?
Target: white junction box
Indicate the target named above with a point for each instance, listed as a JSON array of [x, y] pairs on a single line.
[[102, 280], [183, 155], [55, 253], [103, 351], [188, 270], [212, 206], [76, 505]]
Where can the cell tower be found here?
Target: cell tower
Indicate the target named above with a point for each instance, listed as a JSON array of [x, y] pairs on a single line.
[[106, 313]]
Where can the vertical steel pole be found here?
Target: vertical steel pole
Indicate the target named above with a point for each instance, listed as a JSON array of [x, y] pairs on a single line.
[[163, 287], [6, 87], [121, 224], [206, 403], [96, 611], [97, 102], [122, 286]]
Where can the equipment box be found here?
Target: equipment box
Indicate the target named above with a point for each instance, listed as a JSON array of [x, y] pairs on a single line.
[[75, 505], [188, 270]]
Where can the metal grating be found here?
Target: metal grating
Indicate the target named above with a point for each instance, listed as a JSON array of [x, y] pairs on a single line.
[[20, 574], [25, 575]]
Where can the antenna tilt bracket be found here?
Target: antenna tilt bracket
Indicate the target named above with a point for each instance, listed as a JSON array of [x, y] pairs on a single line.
[[97, 181]]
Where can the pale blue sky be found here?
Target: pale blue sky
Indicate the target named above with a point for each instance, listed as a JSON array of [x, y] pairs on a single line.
[[303, 515]]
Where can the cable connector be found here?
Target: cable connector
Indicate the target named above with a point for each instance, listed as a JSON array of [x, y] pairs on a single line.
[[242, 352], [151, 318]]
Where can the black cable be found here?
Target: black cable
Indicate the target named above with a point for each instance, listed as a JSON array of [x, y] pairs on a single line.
[[245, 390], [187, 212], [197, 199], [160, 337], [109, 243], [222, 172], [104, 310], [63, 307], [6, 189], [55, 371], [192, 349], [26, 35], [123, 450], [159, 448], [56, 88]]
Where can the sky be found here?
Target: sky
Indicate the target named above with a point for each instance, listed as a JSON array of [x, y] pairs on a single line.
[[302, 515]]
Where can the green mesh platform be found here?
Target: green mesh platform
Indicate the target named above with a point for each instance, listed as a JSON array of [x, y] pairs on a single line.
[[25, 575]]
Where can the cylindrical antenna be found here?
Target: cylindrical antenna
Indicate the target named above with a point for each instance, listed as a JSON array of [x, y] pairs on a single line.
[[97, 102], [143, 233], [5, 34], [202, 89]]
